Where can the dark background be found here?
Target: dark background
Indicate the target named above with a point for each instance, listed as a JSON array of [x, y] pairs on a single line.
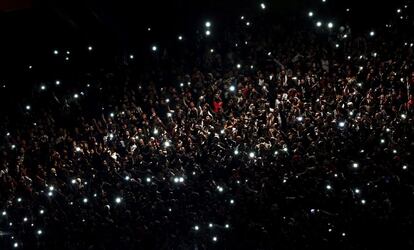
[[31, 29]]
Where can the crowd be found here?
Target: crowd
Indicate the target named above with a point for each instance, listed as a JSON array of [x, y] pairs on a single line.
[[284, 140]]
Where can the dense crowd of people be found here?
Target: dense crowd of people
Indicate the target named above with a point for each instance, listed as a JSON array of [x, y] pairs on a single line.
[[284, 140]]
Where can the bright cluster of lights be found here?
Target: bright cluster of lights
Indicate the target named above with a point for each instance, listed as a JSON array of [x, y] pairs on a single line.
[[178, 179]]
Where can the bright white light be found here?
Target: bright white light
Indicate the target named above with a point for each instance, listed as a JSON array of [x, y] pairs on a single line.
[[247, 23], [310, 14], [251, 66], [382, 141], [13, 146], [148, 179], [404, 167], [357, 191], [222, 131], [85, 200], [127, 178], [208, 24], [131, 56], [399, 10], [4, 213], [211, 50], [41, 211], [90, 48], [372, 33], [330, 25], [39, 232], [251, 154], [299, 118], [78, 149], [57, 82], [76, 96], [232, 88], [176, 179], [319, 24], [236, 152], [55, 52], [155, 132], [43, 87], [337, 45], [328, 187], [232, 201], [263, 6], [239, 66], [363, 201], [50, 194], [355, 165], [227, 226], [210, 225], [111, 114], [169, 114], [342, 124], [181, 179], [215, 238], [19, 199], [343, 234], [118, 200], [196, 227], [323, 1], [25, 219], [16, 245], [208, 33], [403, 116], [394, 151], [312, 210], [180, 38], [242, 17], [154, 48]]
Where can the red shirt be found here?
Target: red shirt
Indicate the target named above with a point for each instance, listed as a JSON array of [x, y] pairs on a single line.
[[217, 106]]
